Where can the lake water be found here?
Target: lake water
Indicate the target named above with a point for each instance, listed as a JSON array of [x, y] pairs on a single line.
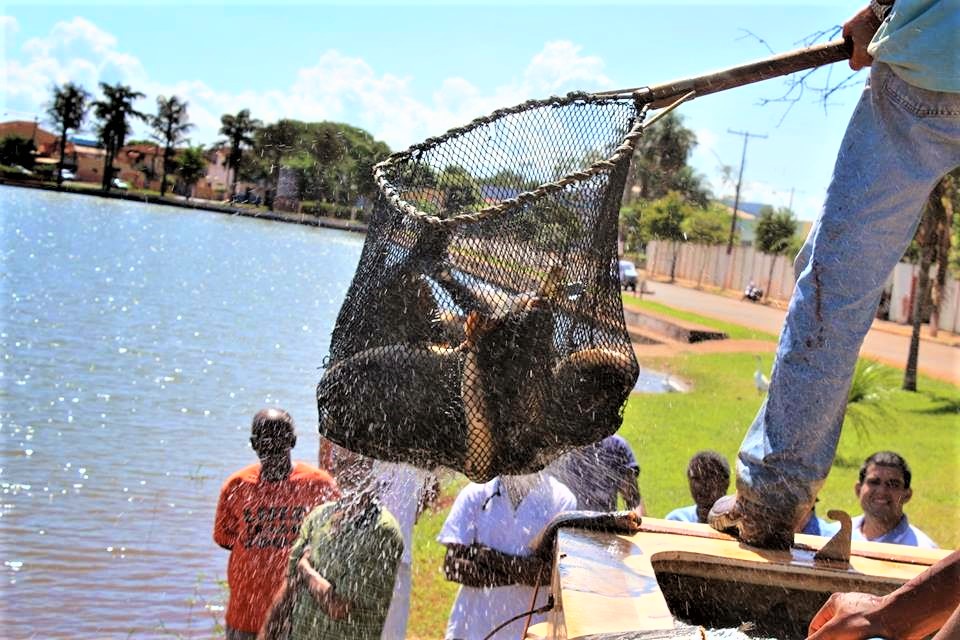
[[137, 343]]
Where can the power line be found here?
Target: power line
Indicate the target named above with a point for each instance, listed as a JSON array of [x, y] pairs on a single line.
[[736, 198]]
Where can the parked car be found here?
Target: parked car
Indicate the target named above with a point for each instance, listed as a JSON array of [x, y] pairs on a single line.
[[66, 174], [123, 185], [628, 275]]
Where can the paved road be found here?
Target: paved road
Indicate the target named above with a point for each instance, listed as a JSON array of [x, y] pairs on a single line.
[[936, 359]]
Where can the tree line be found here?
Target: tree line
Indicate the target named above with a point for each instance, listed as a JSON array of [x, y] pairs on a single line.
[[329, 162]]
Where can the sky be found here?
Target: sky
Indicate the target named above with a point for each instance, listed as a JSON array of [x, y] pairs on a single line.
[[407, 71]]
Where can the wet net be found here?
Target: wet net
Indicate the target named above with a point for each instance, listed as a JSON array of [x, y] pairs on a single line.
[[483, 330]]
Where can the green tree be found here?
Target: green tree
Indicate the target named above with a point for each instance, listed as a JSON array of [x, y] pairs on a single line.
[[17, 150], [664, 219], [191, 165], [114, 113], [705, 227], [946, 245], [273, 143], [775, 231], [935, 223], [461, 190], [366, 152], [659, 163], [330, 150], [631, 231], [169, 128], [67, 111], [239, 130]]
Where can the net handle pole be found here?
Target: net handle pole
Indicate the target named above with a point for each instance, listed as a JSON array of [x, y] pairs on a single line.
[[781, 64]]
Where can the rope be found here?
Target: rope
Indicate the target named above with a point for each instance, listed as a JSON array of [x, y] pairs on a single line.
[[532, 612]]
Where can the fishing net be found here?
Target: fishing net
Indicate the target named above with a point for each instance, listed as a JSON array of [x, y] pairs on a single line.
[[483, 330]]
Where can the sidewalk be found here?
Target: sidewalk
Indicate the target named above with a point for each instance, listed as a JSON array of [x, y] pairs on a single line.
[[943, 337], [886, 341]]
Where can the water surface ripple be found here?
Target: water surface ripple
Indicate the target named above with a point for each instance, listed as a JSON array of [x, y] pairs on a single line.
[[137, 341]]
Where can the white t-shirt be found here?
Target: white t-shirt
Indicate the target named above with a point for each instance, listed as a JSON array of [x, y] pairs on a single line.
[[400, 487], [482, 514]]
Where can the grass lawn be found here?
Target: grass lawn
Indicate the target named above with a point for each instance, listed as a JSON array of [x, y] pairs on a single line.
[[666, 429]]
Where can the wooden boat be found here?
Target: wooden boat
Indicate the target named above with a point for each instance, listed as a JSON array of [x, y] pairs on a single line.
[[686, 581]]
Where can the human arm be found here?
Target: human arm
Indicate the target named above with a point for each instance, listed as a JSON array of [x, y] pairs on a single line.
[[914, 611], [630, 474], [226, 527], [631, 491], [477, 565], [321, 589], [859, 29]]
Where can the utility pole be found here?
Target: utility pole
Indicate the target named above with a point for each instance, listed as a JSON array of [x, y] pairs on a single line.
[[736, 198]]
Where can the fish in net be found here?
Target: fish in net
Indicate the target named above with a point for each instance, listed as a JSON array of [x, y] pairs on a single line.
[[483, 329]]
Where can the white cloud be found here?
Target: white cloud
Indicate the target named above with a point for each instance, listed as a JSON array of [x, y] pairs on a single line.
[[559, 65], [336, 87]]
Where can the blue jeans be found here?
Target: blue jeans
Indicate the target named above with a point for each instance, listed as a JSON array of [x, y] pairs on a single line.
[[900, 142]]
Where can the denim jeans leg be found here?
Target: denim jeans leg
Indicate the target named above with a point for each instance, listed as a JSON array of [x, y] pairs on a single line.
[[900, 142]]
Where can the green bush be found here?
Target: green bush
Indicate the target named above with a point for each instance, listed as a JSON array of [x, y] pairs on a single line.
[[46, 171], [330, 210]]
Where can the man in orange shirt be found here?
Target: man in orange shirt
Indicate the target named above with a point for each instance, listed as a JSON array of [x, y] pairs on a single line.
[[258, 517]]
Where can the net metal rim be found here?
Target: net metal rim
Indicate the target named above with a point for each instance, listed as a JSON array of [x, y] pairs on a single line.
[[626, 148]]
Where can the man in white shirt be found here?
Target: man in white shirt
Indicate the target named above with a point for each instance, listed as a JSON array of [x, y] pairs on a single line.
[[488, 534], [404, 490]]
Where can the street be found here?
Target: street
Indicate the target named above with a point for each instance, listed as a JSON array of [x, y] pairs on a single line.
[[885, 342]]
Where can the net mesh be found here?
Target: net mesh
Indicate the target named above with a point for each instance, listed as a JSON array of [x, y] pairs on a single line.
[[483, 330]]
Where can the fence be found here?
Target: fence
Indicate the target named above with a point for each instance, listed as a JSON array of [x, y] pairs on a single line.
[[711, 266]]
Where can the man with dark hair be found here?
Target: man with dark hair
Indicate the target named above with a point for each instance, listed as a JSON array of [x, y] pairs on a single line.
[[598, 473], [883, 489], [258, 515], [708, 474]]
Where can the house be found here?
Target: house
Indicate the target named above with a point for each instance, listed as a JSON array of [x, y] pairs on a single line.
[[44, 141], [141, 165], [87, 157], [215, 184]]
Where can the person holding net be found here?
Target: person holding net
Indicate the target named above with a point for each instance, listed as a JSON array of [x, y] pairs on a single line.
[[903, 137], [490, 537]]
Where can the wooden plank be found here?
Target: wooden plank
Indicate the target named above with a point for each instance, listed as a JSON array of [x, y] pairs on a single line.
[[606, 583]]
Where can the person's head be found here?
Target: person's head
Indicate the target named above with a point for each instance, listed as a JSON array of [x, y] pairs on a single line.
[[884, 487], [709, 476], [272, 433]]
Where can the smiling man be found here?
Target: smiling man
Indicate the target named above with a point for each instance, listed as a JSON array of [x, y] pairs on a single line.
[[883, 489]]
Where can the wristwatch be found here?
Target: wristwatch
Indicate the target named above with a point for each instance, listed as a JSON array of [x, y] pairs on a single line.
[[881, 8]]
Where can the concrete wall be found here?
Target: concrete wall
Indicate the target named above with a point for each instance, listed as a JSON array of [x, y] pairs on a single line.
[[901, 285]]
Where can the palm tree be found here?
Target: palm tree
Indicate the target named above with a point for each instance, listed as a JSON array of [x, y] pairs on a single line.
[[191, 166], [775, 230], [239, 130], [114, 113], [933, 222], [169, 126], [67, 111]]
